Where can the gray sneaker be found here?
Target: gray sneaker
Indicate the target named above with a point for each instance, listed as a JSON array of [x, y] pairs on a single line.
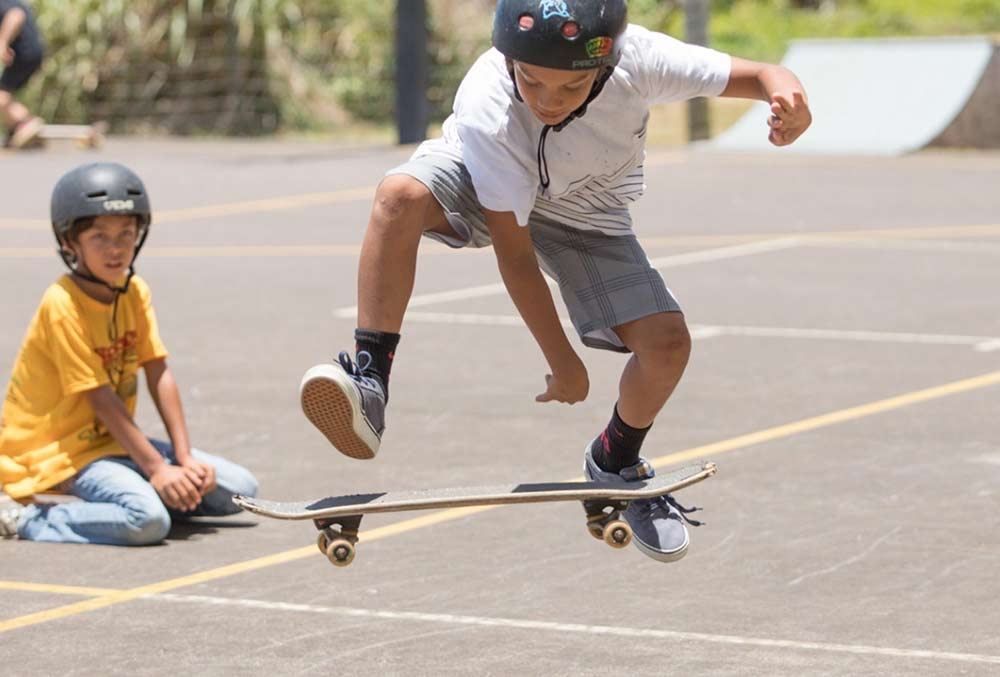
[[346, 404], [10, 514], [658, 524]]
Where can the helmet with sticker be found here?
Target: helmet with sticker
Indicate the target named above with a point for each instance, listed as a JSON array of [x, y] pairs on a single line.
[[561, 34]]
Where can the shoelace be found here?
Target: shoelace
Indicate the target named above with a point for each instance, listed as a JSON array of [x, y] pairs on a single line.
[[358, 370], [664, 503], [355, 369]]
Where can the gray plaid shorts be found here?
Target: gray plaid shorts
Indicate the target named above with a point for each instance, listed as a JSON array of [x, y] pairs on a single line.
[[605, 280]]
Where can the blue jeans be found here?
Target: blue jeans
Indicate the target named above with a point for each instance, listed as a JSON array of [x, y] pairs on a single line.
[[119, 506]]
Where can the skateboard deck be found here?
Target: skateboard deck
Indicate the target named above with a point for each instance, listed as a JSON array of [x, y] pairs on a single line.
[[338, 518]]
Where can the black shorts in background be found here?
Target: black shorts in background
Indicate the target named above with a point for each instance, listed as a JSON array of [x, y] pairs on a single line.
[[28, 49]]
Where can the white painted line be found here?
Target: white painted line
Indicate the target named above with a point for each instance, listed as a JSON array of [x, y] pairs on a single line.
[[472, 319], [439, 297], [914, 245], [715, 254], [577, 628], [700, 331], [980, 343], [721, 253]]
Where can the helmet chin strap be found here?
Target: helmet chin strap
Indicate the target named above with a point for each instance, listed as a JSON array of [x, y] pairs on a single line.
[[117, 290]]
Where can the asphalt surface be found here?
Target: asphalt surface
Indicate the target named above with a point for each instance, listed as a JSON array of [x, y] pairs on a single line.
[[845, 378]]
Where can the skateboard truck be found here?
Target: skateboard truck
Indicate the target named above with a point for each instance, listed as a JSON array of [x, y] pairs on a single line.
[[605, 524], [337, 538]]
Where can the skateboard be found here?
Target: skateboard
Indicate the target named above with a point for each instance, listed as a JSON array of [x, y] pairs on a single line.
[[85, 136], [338, 518]]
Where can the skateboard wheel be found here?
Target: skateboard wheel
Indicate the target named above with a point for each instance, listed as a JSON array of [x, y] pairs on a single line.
[[617, 534], [340, 552], [321, 542]]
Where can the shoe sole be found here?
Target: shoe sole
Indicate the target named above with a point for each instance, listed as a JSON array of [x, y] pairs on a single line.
[[329, 404]]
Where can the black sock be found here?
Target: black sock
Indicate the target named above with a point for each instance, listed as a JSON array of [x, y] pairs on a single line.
[[382, 347], [619, 444]]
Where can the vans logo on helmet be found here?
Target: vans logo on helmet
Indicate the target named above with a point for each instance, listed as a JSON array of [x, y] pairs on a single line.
[[551, 8], [119, 205]]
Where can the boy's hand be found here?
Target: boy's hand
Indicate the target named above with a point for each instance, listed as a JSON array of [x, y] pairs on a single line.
[[570, 384], [174, 486], [789, 119], [202, 474], [6, 54]]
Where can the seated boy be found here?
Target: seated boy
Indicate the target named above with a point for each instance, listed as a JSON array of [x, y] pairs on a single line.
[[67, 419]]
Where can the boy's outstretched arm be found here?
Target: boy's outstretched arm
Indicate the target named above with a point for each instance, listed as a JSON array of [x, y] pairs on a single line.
[[790, 114], [163, 390], [518, 266], [175, 485]]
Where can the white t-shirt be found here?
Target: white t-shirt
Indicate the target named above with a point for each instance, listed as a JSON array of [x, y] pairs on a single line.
[[595, 162]]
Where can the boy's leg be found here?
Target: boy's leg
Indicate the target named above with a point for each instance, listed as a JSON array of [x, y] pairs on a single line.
[[117, 507], [660, 346], [617, 301], [346, 401]]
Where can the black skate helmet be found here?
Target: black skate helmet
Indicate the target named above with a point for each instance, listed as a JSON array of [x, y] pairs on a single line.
[[93, 190], [563, 34]]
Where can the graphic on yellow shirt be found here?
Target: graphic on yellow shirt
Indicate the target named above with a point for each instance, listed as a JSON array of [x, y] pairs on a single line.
[[48, 430]]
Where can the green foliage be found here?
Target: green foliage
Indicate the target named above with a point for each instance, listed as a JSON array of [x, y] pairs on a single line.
[[255, 66], [761, 29]]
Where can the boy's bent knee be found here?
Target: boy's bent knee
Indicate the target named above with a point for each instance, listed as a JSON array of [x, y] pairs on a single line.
[[148, 523], [400, 197], [665, 341]]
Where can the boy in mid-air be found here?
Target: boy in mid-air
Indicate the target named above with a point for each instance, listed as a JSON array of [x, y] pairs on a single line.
[[67, 421], [542, 159]]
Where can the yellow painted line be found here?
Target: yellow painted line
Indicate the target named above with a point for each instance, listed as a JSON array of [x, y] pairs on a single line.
[[275, 204], [925, 233], [119, 596], [352, 250], [23, 224], [832, 418], [716, 449], [56, 589]]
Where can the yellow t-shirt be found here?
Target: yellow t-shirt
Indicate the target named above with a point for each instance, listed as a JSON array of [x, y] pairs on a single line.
[[48, 430]]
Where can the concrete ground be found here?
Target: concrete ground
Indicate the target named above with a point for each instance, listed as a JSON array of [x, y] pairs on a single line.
[[845, 378]]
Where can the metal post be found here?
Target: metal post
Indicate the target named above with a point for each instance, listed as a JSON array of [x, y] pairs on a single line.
[[696, 14], [411, 70]]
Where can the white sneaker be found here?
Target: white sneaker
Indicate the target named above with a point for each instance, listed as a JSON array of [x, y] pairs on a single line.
[[10, 514]]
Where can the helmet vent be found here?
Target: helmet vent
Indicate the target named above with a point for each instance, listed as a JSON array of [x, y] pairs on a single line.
[[526, 22], [571, 30], [135, 193], [97, 194]]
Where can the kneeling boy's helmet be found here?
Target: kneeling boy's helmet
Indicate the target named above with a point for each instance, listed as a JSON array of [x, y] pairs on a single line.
[[563, 34], [99, 189]]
